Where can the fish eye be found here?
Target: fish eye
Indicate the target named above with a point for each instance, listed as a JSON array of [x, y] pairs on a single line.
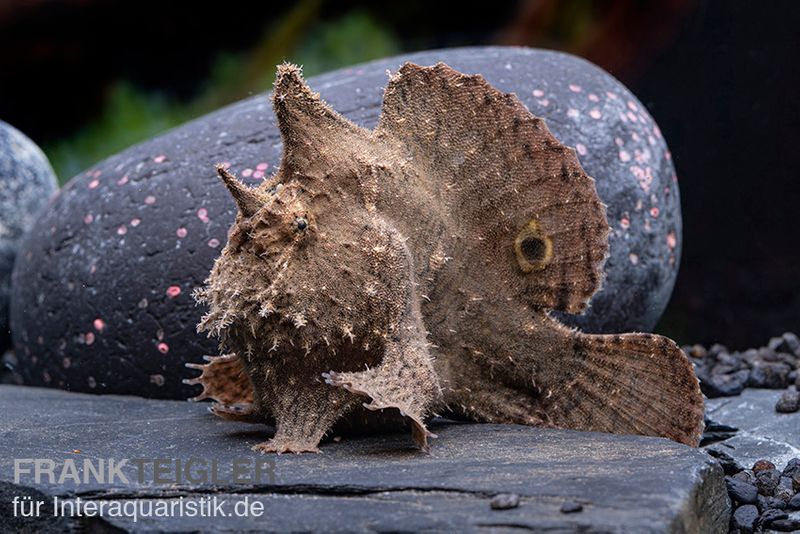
[[300, 224]]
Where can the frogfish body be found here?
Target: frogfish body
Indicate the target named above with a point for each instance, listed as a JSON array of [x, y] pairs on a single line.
[[385, 275]]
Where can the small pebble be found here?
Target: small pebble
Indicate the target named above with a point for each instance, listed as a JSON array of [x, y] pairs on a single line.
[[769, 375], [792, 468], [750, 356], [769, 503], [784, 490], [769, 516], [768, 355], [571, 507], [794, 503], [741, 491], [696, 351], [504, 501], [775, 343], [789, 402], [791, 343], [725, 385], [745, 476], [745, 517], [730, 362], [785, 525], [717, 348], [767, 481], [762, 465]]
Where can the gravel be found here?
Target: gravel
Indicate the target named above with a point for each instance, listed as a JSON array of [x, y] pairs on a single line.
[[504, 501], [763, 495], [726, 373]]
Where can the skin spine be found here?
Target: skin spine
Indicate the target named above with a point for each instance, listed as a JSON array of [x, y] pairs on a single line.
[[385, 275]]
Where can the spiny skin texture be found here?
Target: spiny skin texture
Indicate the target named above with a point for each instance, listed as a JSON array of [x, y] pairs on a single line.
[[410, 270]]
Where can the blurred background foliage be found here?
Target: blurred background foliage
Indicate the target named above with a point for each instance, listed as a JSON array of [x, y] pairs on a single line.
[[131, 113], [87, 78], [106, 56]]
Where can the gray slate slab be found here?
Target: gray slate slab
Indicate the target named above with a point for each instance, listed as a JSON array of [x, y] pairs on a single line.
[[763, 432], [625, 483]]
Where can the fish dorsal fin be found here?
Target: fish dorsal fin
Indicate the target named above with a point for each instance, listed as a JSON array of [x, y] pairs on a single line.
[[519, 197], [312, 132]]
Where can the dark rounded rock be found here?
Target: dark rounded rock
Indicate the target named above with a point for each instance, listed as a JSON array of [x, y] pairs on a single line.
[[717, 348], [789, 402], [767, 481], [791, 343], [792, 468], [745, 518], [729, 361], [787, 343], [769, 355], [745, 476], [784, 491], [769, 375], [103, 303], [750, 356], [504, 501], [741, 491], [730, 365], [794, 502], [571, 507], [785, 525], [723, 385], [762, 465], [770, 516], [696, 351], [769, 503], [775, 343], [26, 183]]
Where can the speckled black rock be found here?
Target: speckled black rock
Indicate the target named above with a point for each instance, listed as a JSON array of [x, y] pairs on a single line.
[[26, 182], [102, 298]]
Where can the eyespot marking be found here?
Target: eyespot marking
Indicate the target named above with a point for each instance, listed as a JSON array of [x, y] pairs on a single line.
[[534, 250]]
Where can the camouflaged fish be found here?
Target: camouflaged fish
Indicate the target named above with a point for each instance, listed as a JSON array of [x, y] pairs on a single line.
[[382, 276]]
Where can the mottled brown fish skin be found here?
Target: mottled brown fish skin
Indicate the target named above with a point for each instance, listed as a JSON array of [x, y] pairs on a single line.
[[411, 269]]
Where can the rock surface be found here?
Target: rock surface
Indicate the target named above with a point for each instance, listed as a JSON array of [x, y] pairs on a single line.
[[113, 262], [763, 432], [622, 483], [26, 182]]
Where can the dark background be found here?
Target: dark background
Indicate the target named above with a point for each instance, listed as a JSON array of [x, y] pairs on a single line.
[[86, 78]]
